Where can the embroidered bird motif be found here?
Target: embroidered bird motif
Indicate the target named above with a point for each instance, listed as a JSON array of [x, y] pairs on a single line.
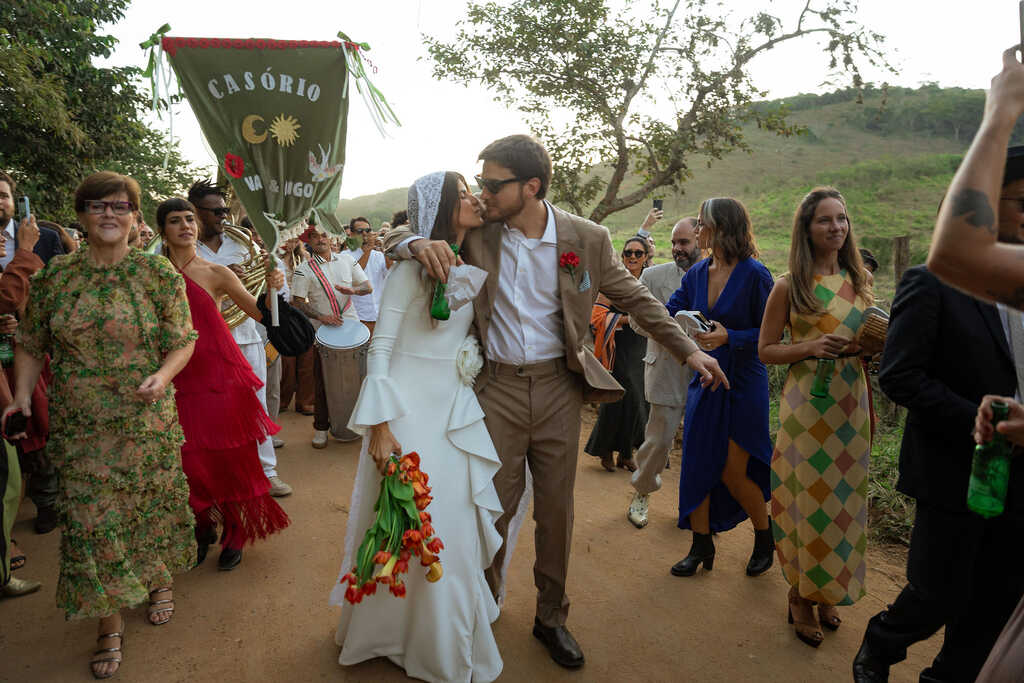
[[322, 171]]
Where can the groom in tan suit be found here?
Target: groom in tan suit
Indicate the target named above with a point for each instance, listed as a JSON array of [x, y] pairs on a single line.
[[545, 269]]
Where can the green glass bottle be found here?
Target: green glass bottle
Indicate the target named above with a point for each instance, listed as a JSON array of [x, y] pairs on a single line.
[[439, 309], [823, 377], [6, 351], [990, 470]]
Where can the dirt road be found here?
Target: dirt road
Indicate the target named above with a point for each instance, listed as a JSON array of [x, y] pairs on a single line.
[[269, 619]]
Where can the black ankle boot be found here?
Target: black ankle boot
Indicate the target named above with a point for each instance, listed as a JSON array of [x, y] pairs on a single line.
[[764, 552], [204, 537], [702, 550]]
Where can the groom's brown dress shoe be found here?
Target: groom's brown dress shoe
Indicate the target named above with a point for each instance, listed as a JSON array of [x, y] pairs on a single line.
[[562, 647]]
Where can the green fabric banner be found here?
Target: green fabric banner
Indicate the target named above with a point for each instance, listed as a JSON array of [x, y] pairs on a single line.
[[275, 113]]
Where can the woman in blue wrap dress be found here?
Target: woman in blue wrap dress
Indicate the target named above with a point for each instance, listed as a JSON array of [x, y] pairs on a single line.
[[726, 445]]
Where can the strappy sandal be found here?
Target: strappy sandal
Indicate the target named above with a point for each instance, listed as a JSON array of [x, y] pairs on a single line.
[[828, 615], [608, 462], [17, 561], [119, 650], [807, 631], [155, 608]]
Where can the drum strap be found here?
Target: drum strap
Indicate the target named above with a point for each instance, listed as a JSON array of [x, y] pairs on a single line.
[[336, 309]]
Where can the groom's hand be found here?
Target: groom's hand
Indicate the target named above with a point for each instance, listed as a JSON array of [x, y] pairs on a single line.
[[708, 369], [436, 256]]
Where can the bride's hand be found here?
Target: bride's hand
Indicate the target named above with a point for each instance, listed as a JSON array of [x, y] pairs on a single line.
[[382, 445]]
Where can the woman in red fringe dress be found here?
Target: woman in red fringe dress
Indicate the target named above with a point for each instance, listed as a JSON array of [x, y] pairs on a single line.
[[218, 407]]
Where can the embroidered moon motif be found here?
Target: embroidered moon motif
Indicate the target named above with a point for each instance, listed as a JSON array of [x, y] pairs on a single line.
[[249, 129]]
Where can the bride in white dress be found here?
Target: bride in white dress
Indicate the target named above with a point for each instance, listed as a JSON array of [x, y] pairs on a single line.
[[417, 397]]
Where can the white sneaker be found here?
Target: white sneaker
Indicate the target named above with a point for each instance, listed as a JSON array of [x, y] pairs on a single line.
[[278, 488], [278, 442], [638, 510], [319, 438]]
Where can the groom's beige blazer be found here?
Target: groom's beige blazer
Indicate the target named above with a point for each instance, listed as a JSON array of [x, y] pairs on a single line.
[[599, 271]]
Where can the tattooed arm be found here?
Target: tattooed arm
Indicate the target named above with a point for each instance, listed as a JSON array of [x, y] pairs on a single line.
[[965, 251]]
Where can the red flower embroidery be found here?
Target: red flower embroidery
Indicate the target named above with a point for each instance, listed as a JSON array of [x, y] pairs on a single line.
[[234, 165]]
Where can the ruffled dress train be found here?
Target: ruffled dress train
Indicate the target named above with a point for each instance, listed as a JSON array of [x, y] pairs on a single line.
[[440, 631]]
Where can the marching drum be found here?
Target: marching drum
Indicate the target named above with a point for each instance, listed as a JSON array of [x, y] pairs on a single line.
[[342, 351]]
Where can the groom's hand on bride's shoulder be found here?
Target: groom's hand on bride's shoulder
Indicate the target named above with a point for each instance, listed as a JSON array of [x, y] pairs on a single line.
[[708, 369], [436, 256]]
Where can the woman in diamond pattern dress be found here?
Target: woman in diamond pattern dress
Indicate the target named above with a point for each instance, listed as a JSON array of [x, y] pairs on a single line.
[[819, 473]]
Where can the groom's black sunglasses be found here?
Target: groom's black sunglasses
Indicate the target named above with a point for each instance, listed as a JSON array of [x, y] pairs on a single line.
[[493, 185]]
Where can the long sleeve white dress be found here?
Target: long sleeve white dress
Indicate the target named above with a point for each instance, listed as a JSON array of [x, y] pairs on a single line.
[[439, 631]]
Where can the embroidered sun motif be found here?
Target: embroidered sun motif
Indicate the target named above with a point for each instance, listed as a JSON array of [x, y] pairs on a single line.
[[285, 130]]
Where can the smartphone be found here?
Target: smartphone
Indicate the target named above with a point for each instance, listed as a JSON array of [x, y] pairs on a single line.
[[24, 208], [658, 203], [16, 424]]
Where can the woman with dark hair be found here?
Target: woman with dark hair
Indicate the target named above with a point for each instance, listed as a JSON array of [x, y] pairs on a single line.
[[820, 465], [620, 425], [441, 631], [726, 445], [116, 322], [218, 407]]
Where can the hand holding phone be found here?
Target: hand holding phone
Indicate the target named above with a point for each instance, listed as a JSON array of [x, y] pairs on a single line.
[[24, 207]]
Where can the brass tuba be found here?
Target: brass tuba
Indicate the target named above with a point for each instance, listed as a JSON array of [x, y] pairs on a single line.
[[254, 269]]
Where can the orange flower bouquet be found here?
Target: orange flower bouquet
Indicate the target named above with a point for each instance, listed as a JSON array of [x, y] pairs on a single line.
[[401, 529]]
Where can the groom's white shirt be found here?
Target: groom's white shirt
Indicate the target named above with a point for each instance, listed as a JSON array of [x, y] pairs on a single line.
[[526, 324]]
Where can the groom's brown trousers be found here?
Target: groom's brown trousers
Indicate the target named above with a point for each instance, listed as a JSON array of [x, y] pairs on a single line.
[[533, 416]]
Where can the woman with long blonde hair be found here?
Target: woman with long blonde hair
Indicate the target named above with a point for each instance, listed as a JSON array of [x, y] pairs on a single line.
[[820, 464]]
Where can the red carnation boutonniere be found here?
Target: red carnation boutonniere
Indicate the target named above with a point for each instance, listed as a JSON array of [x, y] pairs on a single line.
[[569, 260], [234, 165]]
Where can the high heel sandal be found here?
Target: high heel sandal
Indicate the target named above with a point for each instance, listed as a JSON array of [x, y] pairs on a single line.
[[828, 615], [702, 550], [807, 631], [155, 609], [119, 650]]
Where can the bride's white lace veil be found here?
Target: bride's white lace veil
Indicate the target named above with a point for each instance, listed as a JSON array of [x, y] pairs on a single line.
[[424, 201]]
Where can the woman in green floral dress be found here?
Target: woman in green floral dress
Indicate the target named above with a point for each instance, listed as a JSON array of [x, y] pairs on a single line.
[[116, 324]]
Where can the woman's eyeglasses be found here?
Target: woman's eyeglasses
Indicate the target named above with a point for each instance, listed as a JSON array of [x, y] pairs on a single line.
[[361, 231], [97, 207], [634, 253]]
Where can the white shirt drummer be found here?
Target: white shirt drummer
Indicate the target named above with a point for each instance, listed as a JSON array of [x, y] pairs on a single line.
[[339, 270]]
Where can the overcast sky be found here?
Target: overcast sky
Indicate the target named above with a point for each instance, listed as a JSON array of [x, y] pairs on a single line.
[[954, 42]]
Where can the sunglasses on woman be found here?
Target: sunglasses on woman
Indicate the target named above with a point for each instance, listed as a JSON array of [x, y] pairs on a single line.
[[634, 253]]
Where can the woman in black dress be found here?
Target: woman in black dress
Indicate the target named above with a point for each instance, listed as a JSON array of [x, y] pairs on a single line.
[[620, 425]]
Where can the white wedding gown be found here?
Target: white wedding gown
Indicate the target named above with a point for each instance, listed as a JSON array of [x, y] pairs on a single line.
[[440, 631]]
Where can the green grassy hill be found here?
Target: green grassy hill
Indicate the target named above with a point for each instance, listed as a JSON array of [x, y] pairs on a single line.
[[892, 163]]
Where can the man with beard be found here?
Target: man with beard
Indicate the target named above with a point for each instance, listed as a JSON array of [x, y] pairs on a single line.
[[545, 269], [665, 381], [210, 202]]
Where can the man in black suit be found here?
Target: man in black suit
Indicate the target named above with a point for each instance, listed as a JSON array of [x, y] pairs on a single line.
[[944, 352]]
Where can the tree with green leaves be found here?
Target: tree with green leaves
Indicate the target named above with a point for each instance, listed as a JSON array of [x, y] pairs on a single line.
[[640, 90], [62, 117]]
